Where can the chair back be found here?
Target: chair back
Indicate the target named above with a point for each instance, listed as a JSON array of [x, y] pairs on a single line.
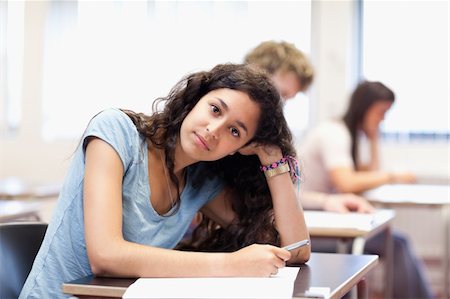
[[19, 245]]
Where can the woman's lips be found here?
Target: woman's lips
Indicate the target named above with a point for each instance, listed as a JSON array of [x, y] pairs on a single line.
[[201, 141]]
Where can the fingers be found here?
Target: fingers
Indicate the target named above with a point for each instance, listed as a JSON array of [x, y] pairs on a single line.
[[262, 259], [283, 254]]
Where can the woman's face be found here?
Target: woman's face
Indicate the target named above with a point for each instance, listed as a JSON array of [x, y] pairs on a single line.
[[220, 123], [375, 115]]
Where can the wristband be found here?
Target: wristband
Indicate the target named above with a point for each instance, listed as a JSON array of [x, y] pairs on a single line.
[[276, 171], [285, 164]]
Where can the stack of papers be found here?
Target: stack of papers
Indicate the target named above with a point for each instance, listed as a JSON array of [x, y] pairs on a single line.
[[277, 286]]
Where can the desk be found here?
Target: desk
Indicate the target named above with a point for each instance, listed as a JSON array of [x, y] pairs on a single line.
[[338, 272], [434, 196], [11, 210], [356, 228]]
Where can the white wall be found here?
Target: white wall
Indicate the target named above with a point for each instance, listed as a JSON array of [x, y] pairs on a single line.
[[333, 54], [28, 156]]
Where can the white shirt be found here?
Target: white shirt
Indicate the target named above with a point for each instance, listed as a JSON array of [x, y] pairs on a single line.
[[325, 148]]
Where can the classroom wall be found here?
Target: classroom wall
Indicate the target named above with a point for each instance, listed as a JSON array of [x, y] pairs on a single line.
[[27, 155], [333, 54]]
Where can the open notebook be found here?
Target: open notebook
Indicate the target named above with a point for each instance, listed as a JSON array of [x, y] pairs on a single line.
[[277, 286]]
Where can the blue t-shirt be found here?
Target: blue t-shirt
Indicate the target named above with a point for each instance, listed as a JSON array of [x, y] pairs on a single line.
[[62, 256]]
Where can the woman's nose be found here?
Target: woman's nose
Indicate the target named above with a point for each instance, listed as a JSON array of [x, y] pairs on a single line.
[[214, 129]]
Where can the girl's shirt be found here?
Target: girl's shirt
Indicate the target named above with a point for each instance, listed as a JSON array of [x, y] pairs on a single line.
[[325, 148], [62, 256]]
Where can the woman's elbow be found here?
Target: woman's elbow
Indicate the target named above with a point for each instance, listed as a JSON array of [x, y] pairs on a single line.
[[301, 256], [100, 263], [103, 260]]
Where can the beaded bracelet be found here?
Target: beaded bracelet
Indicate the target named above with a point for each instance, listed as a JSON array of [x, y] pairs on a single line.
[[273, 165], [285, 164]]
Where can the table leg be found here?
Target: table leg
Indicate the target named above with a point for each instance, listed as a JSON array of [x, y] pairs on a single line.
[[363, 290], [360, 291], [342, 246], [446, 255], [358, 246], [389, 263]]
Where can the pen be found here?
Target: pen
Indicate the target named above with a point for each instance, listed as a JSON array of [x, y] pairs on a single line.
[[297, 244]]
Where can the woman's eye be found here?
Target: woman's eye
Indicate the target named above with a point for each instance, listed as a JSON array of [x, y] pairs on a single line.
[[235, 132], [215, 109]]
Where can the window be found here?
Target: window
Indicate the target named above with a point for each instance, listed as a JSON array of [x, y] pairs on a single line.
[[128, 53], [11, 64], [406, 46]]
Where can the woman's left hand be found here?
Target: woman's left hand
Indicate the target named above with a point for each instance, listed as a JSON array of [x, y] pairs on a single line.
[[266, 153]]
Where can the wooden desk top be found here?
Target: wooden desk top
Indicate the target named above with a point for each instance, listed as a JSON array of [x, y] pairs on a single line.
[[348, 225], [338, 272], [410, 195]]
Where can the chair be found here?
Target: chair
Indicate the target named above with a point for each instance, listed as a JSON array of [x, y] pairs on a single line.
[[19, 245]]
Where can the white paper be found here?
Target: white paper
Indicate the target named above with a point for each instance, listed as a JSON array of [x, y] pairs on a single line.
[[318, 292], [277, 286], [418, 194], [360, 221]]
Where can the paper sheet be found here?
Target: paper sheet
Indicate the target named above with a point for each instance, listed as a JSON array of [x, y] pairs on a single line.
[[364, 222], [278, 286], [336, 220]]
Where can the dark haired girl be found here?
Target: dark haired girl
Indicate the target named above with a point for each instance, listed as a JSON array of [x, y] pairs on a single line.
[[137, 181]]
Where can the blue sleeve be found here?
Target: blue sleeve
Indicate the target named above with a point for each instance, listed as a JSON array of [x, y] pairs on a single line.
[[116, 128]]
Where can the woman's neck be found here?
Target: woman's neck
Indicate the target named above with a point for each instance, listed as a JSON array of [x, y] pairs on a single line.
[[181, 160]]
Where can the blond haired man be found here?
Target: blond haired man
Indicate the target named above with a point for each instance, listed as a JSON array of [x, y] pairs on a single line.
[[290, 69]]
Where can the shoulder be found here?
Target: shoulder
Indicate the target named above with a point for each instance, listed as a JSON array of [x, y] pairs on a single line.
[[111, 122], [112, 117], [332, 131], [116, 128], [332, 128]]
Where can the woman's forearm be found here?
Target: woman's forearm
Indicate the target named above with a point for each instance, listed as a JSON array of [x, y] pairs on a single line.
[[127, 259], [288, 212]]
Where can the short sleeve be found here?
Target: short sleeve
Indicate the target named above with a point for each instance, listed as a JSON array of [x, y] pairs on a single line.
[[335, 146], [116, 128]]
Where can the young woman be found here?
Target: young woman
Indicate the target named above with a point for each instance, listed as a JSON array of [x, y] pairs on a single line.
[[331, 151], [332, 164], [137, 181]]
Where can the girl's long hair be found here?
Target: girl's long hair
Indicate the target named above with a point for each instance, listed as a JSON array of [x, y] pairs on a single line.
[[364, 96], [248, 190]]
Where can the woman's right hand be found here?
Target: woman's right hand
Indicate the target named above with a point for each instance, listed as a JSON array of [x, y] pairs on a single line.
[[258, 260], [347, 202]]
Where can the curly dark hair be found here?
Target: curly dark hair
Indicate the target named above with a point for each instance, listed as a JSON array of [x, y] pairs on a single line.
[[249, 192]]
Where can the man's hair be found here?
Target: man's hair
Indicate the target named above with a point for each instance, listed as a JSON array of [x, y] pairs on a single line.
[[282, 57]]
